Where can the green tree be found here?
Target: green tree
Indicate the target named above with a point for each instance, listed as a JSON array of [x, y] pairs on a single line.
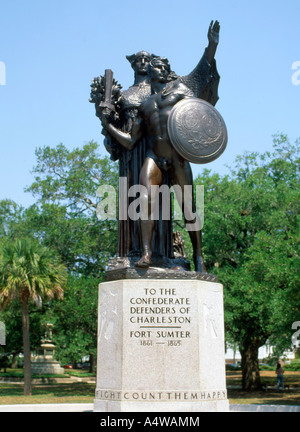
[[29, 272], [251, 240], [12, 318], [75, 320], [64, 219], [66, 184], [11, 216]]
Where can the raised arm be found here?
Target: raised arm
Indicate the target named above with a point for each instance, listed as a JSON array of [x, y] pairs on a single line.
[[213, 40], [204, 79]]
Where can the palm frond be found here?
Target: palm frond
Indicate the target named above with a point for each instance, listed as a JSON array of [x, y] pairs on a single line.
[[31, 270]]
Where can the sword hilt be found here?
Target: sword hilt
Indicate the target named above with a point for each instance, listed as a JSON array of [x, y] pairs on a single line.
[[108, 91]]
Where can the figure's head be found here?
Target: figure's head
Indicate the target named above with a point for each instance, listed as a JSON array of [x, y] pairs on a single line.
[[159, 69], [139, 62]]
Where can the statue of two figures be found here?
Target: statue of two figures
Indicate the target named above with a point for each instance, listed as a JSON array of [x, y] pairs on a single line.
[[155, 129]]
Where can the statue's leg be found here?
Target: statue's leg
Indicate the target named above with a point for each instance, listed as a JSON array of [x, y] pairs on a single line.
[[151, 175], [181, 175]]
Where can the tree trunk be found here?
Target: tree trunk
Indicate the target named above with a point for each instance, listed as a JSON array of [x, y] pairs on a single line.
[[14, 360], [250, 370], [26, 347], [92, 363]]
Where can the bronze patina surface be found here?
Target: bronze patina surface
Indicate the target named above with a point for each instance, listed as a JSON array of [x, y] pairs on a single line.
[[197, 131]]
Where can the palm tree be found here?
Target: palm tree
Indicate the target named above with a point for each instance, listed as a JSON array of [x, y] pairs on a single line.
[[29, 272]]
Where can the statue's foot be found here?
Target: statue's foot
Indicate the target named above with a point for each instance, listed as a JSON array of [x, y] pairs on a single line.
[[144, 262], [199, 265]]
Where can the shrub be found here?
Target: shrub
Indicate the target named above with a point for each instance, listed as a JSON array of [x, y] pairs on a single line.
[[293, 366], [266, 367], [230, 367]]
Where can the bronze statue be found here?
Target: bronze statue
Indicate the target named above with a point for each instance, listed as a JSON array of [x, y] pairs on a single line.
[[162, 158], [125, 105], [176, 123]]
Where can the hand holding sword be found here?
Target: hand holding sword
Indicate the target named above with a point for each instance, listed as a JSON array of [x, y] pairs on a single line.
[[105, 94], [106, 105]]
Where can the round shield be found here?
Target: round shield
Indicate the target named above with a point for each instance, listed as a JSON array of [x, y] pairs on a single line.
[[197, 131]]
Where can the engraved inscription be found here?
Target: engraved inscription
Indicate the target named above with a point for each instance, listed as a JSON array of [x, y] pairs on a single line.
[[160, 317], [203, 130], [117, 395]]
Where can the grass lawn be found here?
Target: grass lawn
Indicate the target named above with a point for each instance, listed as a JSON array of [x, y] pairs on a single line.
[[12, 394], [270, 397], [77, 392], [19, 373], [81, 392]]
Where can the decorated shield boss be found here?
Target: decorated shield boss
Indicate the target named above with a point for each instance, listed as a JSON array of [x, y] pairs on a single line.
[[197, 131]]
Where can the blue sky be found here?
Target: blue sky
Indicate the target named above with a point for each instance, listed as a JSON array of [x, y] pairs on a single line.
[[52, 50]]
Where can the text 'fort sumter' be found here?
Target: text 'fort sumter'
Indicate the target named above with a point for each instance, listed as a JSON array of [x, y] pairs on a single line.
[[160, 316]]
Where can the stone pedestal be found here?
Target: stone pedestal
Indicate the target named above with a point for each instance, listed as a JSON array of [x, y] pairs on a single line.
[[43, 366], [44, 362], [161, 347]]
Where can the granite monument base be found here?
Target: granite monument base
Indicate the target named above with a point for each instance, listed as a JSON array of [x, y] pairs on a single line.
[[161, 347], [42, 365]]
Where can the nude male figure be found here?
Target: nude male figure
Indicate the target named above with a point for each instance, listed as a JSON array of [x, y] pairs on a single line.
[[161, 156]]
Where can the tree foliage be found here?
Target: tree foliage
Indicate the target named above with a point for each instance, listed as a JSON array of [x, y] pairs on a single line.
[[251, 240], [75, 320], [66, 184], [64, 219], [29, 272]]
